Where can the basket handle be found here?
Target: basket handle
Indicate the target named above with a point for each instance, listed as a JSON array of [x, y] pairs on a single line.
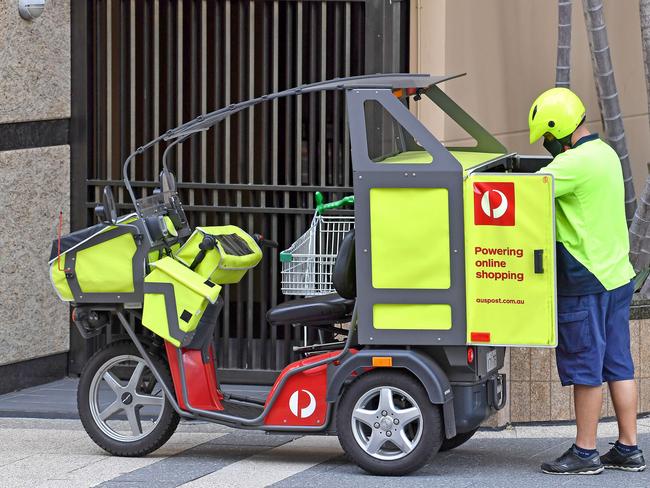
[[322, 207]]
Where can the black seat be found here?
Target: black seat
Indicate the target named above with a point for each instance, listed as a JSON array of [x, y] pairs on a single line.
[[325, 309], [344, 274], [320, 310]]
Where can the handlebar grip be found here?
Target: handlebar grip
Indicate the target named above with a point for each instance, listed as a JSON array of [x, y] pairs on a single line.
[[206, 245], [259, 238], [198, 259], [321, 207]]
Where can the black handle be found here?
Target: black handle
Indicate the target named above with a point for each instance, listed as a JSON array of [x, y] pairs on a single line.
[[539, 261], [497, 391], [259, 238], [206, 245]]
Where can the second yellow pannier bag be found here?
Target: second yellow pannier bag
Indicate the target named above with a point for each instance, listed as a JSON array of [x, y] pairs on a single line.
[[232, 253], [175, 298]]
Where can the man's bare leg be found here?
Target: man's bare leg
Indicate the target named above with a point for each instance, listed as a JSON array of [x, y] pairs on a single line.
[[583, 457], [624, 398], [588, 401]]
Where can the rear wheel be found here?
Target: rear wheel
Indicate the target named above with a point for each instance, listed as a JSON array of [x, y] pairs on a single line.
[[121, 404], [457, 440], [386, 423]]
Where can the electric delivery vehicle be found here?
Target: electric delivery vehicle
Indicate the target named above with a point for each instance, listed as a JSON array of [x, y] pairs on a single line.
[[449, 258]]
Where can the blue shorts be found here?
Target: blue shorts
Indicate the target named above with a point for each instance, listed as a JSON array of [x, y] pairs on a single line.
[[594, 337]]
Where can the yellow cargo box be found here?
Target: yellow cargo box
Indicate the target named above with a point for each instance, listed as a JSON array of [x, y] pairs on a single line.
[[454, 245]]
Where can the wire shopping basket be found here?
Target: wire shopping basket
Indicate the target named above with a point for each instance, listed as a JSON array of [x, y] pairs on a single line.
[[308, 264]]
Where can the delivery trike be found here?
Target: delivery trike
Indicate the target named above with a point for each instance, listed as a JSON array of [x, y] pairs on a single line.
[[448, 259]]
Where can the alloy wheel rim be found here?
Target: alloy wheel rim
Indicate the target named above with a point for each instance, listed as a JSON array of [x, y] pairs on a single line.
[[387, 423], [123, 391]]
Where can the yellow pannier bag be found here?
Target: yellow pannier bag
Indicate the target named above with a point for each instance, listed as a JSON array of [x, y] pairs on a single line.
[[95, 263], [232, 253], [175, 298]]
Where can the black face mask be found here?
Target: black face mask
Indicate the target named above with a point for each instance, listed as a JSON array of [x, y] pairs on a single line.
[[566, 141], [553, 146], [557, 146]]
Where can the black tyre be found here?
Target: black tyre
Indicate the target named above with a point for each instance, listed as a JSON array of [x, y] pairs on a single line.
[[457, 440], [121, 405], [386, 423]]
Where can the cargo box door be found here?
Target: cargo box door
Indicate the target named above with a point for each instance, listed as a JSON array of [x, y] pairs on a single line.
[[510, 259]]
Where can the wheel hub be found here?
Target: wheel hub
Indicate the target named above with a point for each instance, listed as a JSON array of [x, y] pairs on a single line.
[[386, 423], [385, 429], [109, 396]]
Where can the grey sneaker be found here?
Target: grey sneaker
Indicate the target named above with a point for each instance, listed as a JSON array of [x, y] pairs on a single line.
[[571, 463], [615, 459]]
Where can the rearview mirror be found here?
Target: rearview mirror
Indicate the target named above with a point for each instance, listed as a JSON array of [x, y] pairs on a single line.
[[167, 181], [107, 211]]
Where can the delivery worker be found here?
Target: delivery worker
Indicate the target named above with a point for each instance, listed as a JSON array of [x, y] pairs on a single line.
[[594, 284]]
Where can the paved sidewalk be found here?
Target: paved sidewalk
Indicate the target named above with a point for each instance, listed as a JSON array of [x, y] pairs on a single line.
[[58, 453], [58, 400], [51, 449]]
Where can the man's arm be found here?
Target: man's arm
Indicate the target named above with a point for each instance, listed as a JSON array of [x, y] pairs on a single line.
[[566, 173]]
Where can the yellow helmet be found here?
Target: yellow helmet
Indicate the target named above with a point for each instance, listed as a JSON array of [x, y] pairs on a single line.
[[558, 111]]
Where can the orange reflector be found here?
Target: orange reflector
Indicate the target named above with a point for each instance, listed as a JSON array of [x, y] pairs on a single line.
[[382, 361], [480, 337], [404, 92]]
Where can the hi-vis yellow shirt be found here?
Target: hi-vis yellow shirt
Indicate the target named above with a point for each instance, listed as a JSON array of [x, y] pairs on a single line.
[[591, 229]]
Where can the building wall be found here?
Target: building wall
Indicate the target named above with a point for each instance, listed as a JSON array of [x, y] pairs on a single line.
[[535, 393], [34, 181], [508, 50]]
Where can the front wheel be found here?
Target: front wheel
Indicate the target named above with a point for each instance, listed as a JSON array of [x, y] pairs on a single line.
[[387, 425], [121, 404]]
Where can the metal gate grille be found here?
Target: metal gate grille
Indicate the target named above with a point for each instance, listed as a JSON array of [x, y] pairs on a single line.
[[146, 66]]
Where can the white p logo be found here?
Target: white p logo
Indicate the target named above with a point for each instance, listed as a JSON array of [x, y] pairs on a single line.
[[488, 204], [304, 412]]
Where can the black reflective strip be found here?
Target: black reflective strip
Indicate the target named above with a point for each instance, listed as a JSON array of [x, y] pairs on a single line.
[[137, 263], [234, 245], [167, 290], [39, 133]]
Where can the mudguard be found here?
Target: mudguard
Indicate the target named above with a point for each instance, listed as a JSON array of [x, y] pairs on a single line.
[[425, 369]]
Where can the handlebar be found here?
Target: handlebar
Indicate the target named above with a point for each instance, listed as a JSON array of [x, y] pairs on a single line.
[[322, 207], [259, 238]]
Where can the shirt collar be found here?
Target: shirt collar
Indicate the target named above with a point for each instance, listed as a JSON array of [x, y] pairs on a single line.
[[583, 139]]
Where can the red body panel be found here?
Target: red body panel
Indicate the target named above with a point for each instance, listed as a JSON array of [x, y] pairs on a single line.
[[201, 379], [302, 399]]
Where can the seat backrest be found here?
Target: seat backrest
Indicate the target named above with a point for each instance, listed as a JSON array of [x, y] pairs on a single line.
[[344, 275]]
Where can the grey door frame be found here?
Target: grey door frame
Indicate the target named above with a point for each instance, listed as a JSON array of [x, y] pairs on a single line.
[[443, 172]]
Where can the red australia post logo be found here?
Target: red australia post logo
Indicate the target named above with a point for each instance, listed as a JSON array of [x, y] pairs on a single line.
[[494, 203]]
